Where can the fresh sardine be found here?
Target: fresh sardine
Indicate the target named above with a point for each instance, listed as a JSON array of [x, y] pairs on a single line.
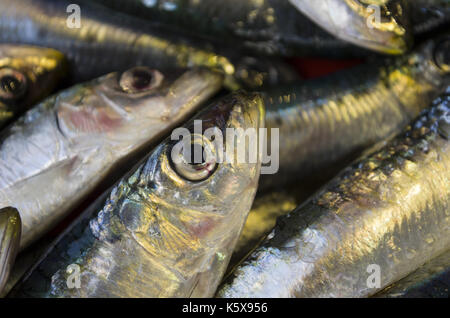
[[275, 27], [105, 33], [327, 122], [168, 229], [382, 26], [378, 221], [9, 242], [432, 280], [27, 74], [60, 151]]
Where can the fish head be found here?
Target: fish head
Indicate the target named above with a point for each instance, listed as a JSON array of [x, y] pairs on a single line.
[[181, 210], [27, 74], [380, 25], [130, 107]]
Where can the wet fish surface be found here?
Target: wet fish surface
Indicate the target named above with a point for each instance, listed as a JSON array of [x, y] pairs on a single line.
[[432, 280], [27, 75], [168, 229], [10, 228], [273, 27], [356, 22], [386, 215], [326, 123], [79, 138], [104, 32]]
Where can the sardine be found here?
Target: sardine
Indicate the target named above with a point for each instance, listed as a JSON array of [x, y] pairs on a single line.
[[382, 26], [103, 32], [64, 148], [326, 123], [432, 280], [27, 74], [274, 27], [168, 229], [9, 242], [379, 220]]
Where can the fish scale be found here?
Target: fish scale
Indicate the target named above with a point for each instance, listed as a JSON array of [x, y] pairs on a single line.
[[326, 122], [270, 27], [10, 229], [151, 248], [77, 140], [390, 209]]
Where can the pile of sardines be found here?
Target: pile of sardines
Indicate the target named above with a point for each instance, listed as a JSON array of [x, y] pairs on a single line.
[[105, 105]]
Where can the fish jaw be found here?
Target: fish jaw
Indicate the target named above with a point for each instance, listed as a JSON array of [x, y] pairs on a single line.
[[355, 22], [42, 70], [10, 229], [182, 231], [87, 133]]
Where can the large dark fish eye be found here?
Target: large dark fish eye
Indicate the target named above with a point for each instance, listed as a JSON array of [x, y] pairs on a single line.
[[140, 79], [13, 84], [197, 163], [442, 54]]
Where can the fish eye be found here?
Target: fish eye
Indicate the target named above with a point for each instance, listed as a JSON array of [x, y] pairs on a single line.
[[442, 55], [13, 84], [140, 79], [194, 161]]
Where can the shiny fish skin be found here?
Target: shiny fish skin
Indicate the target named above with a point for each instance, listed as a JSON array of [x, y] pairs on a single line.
[[390, 209], [43, 22], [325, 123], [35, 71], [105, 32], [268, 27], [349, 20], [10, 227], [159, 234], [77, 139], [432, 280]]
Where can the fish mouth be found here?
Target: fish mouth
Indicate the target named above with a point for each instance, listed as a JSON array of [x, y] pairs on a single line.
[[385, 25], [380, 25]]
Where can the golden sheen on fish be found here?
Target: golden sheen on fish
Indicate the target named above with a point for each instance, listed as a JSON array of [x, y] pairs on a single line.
[[27, 74], [378, 221], [10, 228], [381, 25], [282, 27], [107, 41], [325, 123], [58, 152], [168, 229], [429, 281]]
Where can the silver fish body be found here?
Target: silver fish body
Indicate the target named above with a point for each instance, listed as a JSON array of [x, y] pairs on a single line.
[[166, 230], [325, 123], [104, 32], [10, 228], [382, 26], [378, 221], [27, 75], [431, 280], [274, 27], [61, 150]]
